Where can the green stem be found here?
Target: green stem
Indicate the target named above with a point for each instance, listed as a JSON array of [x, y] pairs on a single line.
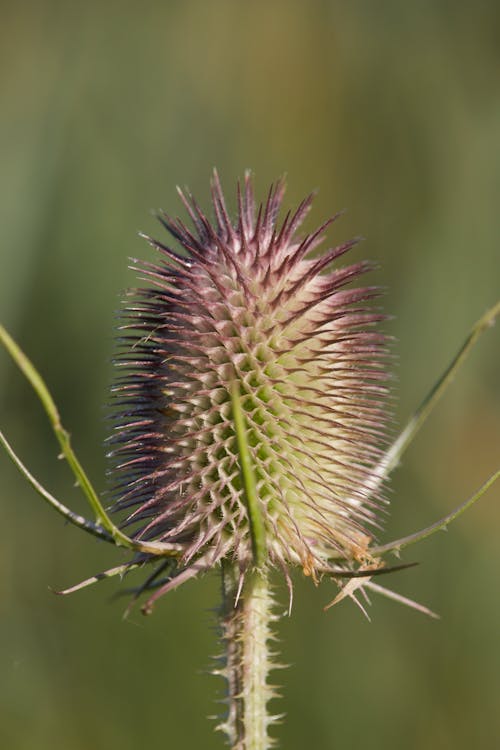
[[246, 633]]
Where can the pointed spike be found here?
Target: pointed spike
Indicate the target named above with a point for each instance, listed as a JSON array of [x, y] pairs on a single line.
[[402, 600], [119, 570]]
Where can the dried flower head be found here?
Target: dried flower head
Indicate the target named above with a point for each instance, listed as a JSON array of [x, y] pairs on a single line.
[[253, 403]]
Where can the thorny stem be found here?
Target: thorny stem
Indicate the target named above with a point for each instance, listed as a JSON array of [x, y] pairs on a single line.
[[246, 633]]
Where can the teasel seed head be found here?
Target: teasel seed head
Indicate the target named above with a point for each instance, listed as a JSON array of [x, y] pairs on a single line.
[[252, 409]]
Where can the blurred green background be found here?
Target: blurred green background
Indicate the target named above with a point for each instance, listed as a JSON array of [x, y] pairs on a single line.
[[391, 110]]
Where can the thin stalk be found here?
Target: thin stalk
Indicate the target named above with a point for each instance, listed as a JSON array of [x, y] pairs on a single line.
[[441, 525], [392, 457], [246, 633], [104, 526], [63, 437], [69, 515]]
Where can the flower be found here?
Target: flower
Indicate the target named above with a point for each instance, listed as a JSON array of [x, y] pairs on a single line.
[[253, 407]]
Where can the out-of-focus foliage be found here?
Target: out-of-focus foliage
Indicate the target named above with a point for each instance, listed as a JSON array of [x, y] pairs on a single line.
[[393, 111]]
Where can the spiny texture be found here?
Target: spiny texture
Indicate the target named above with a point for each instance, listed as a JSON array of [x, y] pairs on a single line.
[[246, 633], [253, 404]]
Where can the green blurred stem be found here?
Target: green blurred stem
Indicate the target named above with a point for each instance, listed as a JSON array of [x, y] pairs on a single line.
[[246, 633]]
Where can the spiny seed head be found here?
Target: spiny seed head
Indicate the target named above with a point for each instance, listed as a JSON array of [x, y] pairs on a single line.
[[252, 408]]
